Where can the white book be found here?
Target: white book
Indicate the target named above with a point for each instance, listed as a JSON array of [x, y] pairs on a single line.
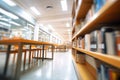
[[110, 43]]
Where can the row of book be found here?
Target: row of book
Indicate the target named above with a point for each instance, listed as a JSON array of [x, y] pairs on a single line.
[[106, 41], [106, 73]]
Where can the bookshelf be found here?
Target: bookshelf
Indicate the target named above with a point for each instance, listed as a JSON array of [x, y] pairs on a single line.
[[107, 14], [80, 12]]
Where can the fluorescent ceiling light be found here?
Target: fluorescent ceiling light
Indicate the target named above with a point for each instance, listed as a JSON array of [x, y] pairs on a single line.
[[5, 24], [8, 14], [14, 23], [67, 25], [64, 5], [35, 10], [9, 2]]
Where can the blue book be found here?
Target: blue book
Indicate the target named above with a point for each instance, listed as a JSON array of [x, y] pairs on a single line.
[[104, 72], [98, 4]]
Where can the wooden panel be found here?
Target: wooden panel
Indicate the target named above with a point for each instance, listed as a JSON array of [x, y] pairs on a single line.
[[109, 59]]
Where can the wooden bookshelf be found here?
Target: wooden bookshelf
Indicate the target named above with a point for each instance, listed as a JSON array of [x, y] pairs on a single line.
[[81, 11], [108, 14], [109, 59], [82, 71]]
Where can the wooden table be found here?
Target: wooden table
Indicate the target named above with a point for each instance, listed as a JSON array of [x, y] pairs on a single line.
[[21, 43]]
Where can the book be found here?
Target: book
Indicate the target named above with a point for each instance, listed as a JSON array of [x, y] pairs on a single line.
[[74, 43], [87, 41], [80, 57], [117, 42], [100, 42], [110, 43], [114, 74], [108, 40], [93, 41], [104, 72], [80, 43], [98, 4]]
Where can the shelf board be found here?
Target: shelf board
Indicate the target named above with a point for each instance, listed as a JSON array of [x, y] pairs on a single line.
[[82, 71], [83, 8], [109, 59], [108, 14]]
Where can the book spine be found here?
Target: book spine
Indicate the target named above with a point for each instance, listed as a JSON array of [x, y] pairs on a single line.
[[93, 41], [117, 41], [110, 43]]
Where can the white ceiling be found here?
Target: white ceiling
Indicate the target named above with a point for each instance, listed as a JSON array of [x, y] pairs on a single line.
[[53, 16]]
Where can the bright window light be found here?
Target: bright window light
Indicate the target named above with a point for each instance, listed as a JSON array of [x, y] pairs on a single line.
[[14, 23], [8, 14], [41, 25], [9, 2], [50, 27], [64, 5], [35, 10], [30, 25], [69, 30], [26, 15], [67, 25], [4, 19], [5, 24]]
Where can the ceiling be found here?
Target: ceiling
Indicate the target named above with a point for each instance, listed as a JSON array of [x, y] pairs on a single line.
[[53, 16]]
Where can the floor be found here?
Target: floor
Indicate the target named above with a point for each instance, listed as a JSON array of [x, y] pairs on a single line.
[[61, 68]]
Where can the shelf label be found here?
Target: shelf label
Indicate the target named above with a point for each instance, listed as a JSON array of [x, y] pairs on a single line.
[[93, 46]]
